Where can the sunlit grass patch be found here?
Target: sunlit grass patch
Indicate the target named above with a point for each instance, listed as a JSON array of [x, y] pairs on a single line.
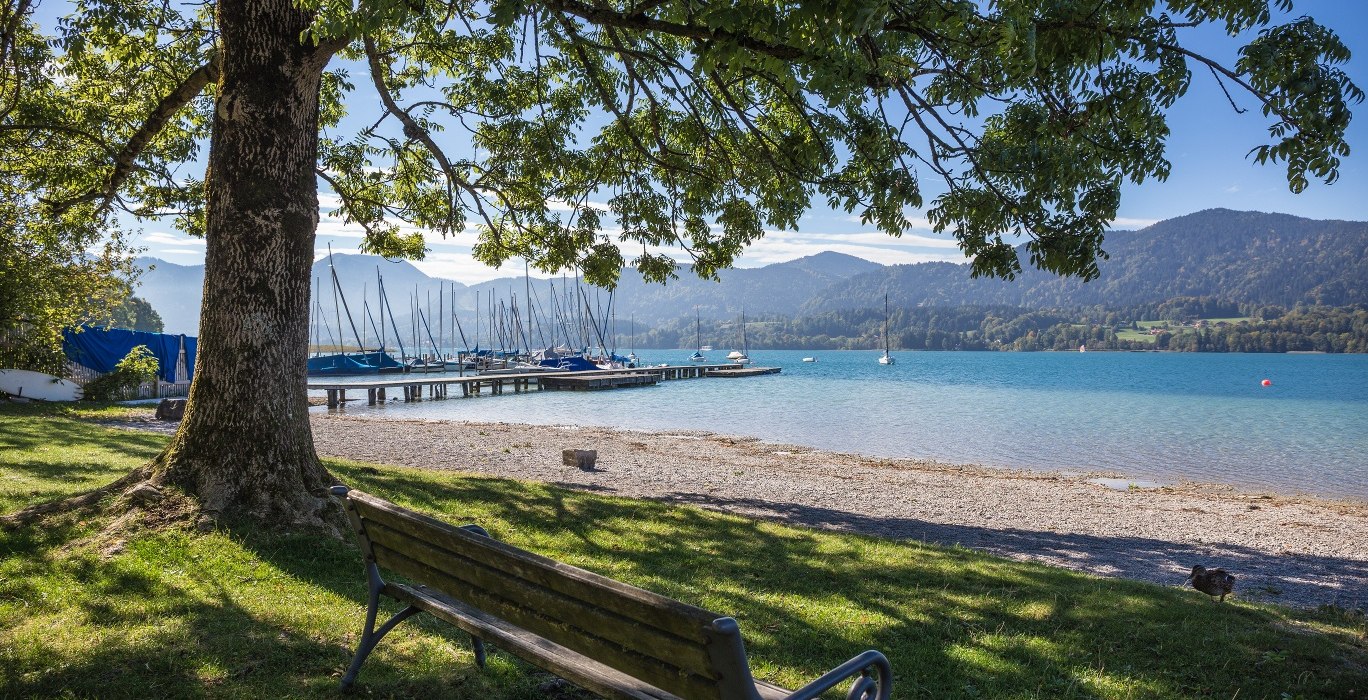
[[246, 613]]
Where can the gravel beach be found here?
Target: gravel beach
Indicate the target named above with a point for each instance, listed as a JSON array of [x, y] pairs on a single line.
[[1295, 551]]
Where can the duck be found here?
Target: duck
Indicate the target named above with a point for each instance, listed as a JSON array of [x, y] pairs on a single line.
[[1213, 582]]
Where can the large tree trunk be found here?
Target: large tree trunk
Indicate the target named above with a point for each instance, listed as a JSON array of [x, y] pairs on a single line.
[[245, 448]]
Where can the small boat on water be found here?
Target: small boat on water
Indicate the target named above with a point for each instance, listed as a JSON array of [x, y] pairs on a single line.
[[741, 357], [887, 359], [698, 341], [348, 363], [809, 359]]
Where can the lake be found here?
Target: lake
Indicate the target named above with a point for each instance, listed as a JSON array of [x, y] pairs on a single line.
[[1160, 417]]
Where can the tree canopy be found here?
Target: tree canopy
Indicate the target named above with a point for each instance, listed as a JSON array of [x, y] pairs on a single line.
[[583, 133], [53, 275], [588, 134]]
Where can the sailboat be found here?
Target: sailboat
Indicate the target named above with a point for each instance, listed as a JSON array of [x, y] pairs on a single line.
[[887, 359], [742, 357], [344, 362], [698, 341]]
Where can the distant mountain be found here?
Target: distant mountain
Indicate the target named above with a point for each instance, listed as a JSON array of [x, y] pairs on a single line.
[[1246, 257], [780, 288], [176, 291]]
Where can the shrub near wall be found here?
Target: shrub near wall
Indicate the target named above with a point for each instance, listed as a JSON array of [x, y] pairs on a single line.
[[138, 366]]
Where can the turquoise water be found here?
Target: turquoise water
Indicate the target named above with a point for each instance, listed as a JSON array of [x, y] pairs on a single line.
[[1152, 416]]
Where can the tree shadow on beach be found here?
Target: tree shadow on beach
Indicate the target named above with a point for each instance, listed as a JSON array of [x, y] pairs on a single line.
[[955, 622], [251, 613], [1264, 577]]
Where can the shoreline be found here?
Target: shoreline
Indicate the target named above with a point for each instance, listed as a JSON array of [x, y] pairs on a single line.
[[1302, 551]]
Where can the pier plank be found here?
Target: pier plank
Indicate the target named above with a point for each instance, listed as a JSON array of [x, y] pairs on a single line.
[[438, 385]]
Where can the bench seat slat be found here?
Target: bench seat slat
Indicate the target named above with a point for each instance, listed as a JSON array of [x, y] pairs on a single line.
[[643, 606], [769, 691], [581, 618], [574, 667], [653, 671]]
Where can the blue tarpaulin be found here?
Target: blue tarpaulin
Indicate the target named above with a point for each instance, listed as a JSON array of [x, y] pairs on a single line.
[[191, 343], [101, 348]]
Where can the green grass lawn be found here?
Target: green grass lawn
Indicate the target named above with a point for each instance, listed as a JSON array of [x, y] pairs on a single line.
[[1132, 334], [246, 613]]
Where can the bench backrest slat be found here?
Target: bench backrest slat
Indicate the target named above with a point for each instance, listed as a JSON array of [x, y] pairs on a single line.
[[651, 637], [510, 596]]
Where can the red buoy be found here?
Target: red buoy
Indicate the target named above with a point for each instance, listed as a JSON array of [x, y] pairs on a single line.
[[1267, 382]]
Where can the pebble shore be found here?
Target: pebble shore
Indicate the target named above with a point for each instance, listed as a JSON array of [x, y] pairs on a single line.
[[1301, 552]]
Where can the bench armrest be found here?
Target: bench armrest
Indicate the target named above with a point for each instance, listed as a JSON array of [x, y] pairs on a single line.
[[859, 665]]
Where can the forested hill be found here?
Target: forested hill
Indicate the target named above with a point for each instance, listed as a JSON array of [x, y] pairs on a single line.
[[1247, 257], [1239, 257]]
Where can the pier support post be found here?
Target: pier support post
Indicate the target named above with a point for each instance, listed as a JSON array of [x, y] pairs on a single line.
[[332, 398], [370, 396], [380, 394]]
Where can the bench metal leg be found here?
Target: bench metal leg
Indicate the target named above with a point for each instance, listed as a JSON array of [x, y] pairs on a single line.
[[477, 645], [370, 636]]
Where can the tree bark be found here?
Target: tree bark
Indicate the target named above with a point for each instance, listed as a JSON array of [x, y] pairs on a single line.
[[244, 448]]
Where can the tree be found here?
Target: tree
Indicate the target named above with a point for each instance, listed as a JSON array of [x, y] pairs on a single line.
[[53, 276], [700, 123], [136, 314]]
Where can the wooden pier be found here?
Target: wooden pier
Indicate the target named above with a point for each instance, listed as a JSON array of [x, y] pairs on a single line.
[[741, 371], [412, 387], [576, 382]]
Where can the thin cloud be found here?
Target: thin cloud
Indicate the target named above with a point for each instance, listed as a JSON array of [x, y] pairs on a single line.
[[169, 239], [869, 238], [1123, 222]]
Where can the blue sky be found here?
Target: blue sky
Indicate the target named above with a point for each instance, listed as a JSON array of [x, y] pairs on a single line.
[[1207, 149]]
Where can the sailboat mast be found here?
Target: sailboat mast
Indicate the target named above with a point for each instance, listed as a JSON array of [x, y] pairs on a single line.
[[380, 295], [885, 324], [318, 311], [336, 307]]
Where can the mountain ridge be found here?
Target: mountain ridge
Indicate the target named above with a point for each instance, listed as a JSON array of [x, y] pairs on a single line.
[[1246, 257]]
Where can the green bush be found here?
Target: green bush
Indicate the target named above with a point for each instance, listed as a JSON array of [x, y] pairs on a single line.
[[138, 366]]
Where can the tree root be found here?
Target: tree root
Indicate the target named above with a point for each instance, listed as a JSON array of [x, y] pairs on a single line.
[[38, 511], [144, 497]]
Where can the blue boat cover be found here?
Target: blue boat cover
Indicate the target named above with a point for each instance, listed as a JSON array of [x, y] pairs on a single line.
[[573, 363], [352, 363], [101, 348]]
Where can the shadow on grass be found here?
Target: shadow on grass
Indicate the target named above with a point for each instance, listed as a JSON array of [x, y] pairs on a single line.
[[249, 613], [1341, 581], [241, 613], [954, 622]]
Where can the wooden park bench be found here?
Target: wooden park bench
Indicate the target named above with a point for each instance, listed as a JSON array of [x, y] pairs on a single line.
[[603, 635]]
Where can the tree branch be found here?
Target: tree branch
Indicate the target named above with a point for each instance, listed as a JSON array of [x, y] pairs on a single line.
[[124, 162], [640, 20], [415, 131]]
